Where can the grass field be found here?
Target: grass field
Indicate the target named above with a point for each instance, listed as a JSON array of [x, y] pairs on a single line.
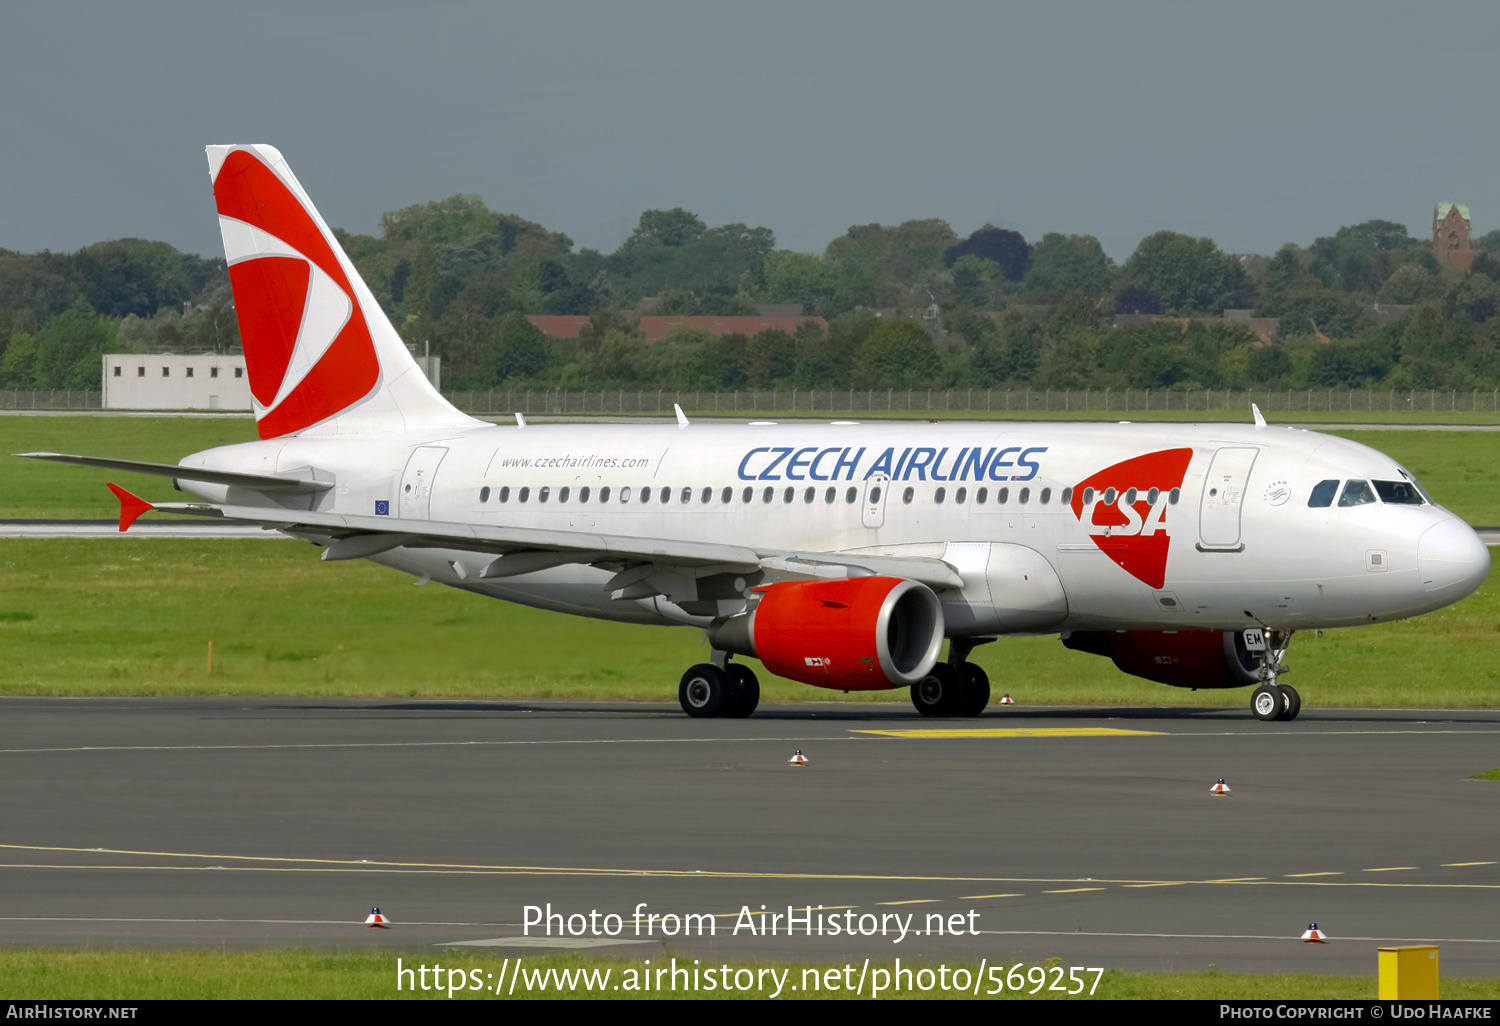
[[125, 616], [1458, 467], [43, 973], [38, 489]]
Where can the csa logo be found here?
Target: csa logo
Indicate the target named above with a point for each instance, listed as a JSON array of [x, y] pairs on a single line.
[[307, 346], [1126, 510]]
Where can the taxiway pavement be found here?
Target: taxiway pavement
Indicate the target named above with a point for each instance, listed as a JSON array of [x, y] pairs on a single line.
[[1083, 834]]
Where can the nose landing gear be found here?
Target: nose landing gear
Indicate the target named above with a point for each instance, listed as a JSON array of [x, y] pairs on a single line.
[[1275, 702], [1271, 700]]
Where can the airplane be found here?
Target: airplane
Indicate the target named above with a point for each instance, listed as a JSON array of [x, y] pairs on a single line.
[[841, 555]]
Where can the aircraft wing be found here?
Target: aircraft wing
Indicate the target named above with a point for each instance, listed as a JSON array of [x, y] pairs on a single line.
[[516, 550]]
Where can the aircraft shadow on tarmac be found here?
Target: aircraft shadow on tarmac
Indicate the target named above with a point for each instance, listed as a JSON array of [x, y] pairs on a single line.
[[883, 712]]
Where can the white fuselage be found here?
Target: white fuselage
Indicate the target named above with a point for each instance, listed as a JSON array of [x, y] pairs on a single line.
[[1222, 538]]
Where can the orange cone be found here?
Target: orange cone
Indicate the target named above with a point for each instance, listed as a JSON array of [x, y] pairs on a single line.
[[1313, 935], [1007, 700], [376, 921], [1219, 788], [798, 760]]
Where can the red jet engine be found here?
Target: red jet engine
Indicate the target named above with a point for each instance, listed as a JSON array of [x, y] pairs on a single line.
[[1183, 659], [859, 634]]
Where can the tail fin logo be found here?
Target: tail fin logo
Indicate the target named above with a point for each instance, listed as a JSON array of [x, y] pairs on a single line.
[[1125, 508], [308, 348]]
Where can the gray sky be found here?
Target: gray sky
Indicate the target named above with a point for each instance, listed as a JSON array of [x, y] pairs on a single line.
[[1254, 124]]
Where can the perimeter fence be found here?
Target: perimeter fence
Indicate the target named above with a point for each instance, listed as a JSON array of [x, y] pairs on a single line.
[[897, 402], [900, 402], [50, 399]]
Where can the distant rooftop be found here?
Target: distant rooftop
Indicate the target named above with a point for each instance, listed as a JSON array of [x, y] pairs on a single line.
[[657, 328]]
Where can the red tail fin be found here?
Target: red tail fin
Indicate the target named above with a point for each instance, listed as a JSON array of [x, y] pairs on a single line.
[[131, 506], [322, 355]]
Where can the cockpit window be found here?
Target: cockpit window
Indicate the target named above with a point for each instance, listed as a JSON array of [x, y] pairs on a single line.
[[1323, 493], [1403, 493], [1418, 486], [1356, 493]]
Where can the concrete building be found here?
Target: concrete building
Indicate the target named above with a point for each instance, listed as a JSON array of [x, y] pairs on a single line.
[[168, 381]]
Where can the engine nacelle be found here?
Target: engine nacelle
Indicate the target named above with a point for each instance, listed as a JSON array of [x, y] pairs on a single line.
[[859, 634], [1183, 659]]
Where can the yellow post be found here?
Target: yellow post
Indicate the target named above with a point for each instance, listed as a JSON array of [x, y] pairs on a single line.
[[210, 657], [1409, 973]]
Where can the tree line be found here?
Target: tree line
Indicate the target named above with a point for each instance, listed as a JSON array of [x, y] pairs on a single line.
[[1008, 312]]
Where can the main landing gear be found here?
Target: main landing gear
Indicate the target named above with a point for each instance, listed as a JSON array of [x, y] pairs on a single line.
[[954, 688], [1275, 702], [709, 690]]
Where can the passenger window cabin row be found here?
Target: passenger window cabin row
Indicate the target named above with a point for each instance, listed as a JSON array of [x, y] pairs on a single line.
[[1356, 493], [663, 495]]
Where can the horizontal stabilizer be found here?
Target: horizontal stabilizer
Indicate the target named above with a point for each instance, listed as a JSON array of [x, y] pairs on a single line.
[[280, 484]]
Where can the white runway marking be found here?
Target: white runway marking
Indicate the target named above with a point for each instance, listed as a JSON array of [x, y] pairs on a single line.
[[1236, 936]]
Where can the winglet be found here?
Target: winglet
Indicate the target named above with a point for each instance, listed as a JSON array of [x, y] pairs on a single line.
[[131, 506], [682, 420], [1260, 421], [520, 420]]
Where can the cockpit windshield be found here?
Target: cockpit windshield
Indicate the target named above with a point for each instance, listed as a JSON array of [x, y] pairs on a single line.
[[1359, 493]]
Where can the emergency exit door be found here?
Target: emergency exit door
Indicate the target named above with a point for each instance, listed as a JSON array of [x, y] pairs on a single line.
[[416, 481], [876, 487]]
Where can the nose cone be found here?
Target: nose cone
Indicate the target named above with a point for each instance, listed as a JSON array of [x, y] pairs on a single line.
[[1452, 559]]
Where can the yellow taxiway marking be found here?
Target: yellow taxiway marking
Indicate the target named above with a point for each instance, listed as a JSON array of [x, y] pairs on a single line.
[[910, 901], [1325, 873], [1470, 863], [1074, 890], [1012, 732], [285, 864], [1389, 869], [977, 897]]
